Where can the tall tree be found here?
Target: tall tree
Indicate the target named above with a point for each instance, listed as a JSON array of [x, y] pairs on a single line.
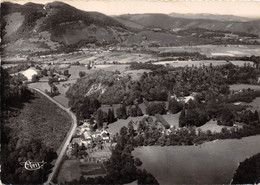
[[182, 120], [99, 117]]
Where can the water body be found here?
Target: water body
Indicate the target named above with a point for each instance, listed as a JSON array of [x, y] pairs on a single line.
[[210, 163]]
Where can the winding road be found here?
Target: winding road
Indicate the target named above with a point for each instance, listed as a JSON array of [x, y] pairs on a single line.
[[67, 139]]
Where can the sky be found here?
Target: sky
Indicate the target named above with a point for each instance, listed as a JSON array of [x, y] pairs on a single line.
[[244, 8]]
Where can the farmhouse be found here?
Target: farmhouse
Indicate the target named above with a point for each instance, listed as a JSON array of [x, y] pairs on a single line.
[[29, 73], [87, 136]]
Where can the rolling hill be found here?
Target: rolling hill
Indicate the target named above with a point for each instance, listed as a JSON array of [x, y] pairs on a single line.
[[35, 27], [32, 28]]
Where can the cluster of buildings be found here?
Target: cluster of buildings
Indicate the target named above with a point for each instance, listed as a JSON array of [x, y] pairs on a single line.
[[86, 135]]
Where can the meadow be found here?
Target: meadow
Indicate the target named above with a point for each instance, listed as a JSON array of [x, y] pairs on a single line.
[[212, 126], [172, 119], [212, 162]]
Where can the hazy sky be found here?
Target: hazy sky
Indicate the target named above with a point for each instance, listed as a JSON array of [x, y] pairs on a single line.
[[115, 7]]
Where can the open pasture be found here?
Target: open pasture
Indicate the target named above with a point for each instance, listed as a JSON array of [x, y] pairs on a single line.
[[212, 126], [172, 119], [210, 163]]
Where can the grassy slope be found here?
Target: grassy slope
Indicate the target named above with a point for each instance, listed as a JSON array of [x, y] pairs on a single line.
[[41, 119], [211, 162]]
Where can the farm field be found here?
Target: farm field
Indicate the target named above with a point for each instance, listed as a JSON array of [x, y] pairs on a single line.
[[172, 119], [201, 62], [212, 126], [74, 71], [211, 162], [74, 169], [238, 87], [217, 50], [66, 168], [38, 117]]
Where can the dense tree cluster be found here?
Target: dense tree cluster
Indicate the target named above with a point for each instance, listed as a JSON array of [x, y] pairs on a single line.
[[140, 65], [84, 107], [194, 55], [18, 68], [174, 106], [13, 150], [108, 87], [15, 173], [149, 132], [113, 88], [12, 89], [244, 96], [156, 108], [134, 111], [194, 115], [111, 116], [121, 112], [248, 171]]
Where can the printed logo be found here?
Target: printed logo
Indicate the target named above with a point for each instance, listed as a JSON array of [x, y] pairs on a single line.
[[28, 165]]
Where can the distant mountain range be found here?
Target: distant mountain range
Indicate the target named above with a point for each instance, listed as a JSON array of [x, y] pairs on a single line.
[[212, 17], [179, 21], [36, 27]]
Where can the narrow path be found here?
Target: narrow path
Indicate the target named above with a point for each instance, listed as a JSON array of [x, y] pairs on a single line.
[[67, 139]]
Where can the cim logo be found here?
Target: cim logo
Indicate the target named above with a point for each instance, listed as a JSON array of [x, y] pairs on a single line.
[[28, 165]]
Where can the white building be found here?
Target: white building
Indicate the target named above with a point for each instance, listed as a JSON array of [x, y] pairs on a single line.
[[87, 136], [29, 73]]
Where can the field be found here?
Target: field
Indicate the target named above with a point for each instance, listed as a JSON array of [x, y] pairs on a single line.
[[172, 119], [238, 87], [74, 169], [212, 126], [66, 168], [255, 104], [217, 50], [43, 120], [211, 162], [164, 38], [201, 62]]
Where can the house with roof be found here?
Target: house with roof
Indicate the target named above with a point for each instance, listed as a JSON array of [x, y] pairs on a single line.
[[30, 72], [86, 136]]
